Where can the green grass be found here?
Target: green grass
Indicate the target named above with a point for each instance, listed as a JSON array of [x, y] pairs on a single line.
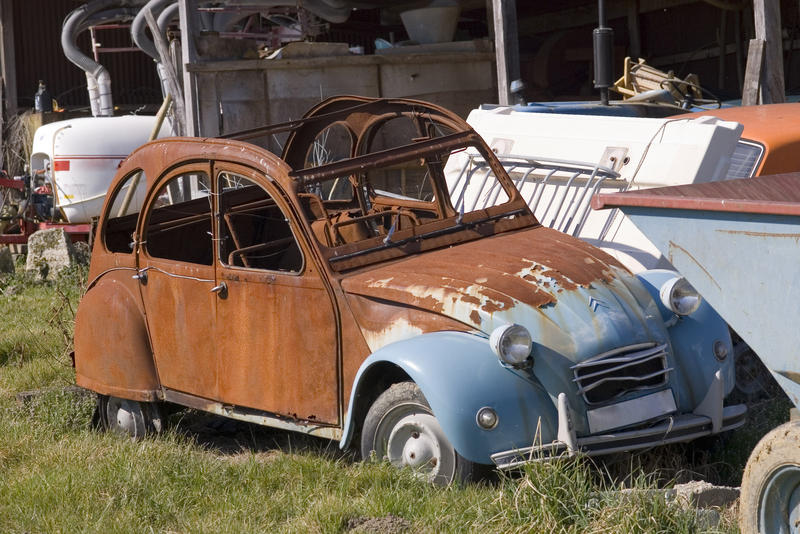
[[58, 474]]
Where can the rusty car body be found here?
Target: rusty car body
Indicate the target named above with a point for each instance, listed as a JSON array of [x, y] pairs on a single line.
[[342, 291]]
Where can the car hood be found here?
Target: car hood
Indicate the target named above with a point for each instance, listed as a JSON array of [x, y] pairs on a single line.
[[575, 300]]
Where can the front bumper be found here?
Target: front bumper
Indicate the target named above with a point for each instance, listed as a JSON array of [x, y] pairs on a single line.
[[710, 417], [676, 429]]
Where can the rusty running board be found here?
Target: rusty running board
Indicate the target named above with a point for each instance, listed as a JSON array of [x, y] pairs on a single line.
[[250, 415]]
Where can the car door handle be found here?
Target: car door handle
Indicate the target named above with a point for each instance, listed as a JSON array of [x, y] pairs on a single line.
[[221, 289]]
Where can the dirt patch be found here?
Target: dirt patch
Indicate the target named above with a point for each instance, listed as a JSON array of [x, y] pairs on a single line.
[[388, 524]]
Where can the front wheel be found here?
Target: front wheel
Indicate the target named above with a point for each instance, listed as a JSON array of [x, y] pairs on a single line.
[[770, 495], [401, 428], [132, 418]]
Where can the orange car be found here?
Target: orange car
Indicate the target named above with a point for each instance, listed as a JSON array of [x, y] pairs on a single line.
[[770, 142]]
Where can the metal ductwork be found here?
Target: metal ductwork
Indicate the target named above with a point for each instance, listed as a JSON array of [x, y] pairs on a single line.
[[170, 13], [98, 79], [146, 44], [139, 26]]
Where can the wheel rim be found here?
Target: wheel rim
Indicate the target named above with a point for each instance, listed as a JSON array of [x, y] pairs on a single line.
[[125, 417], [779, 505], [409, 436]]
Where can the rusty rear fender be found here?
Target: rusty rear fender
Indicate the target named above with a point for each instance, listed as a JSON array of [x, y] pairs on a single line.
[[112, 348], [458, 373]]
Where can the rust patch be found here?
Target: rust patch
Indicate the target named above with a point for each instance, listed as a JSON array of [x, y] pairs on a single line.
[[794, 236], [561, 280], [510, 268], [475, 316], [673, 246]]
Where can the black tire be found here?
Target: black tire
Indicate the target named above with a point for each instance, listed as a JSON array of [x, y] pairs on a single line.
[[402, 415], [770, 491], [127, 417]]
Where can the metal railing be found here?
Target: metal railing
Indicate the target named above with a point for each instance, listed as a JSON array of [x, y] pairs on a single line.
[[558, 191]]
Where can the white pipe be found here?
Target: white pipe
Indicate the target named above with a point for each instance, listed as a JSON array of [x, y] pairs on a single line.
[[104, 97], [94, 94]]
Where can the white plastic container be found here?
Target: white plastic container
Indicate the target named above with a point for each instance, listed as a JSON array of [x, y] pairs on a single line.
[[433, 24], [79, 158]]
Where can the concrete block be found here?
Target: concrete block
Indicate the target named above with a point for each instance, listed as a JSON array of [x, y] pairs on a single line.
[[49, 252], [704, 495]]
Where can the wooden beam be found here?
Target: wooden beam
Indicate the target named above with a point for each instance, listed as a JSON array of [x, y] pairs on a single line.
[[8, 69], [190, 26], [767, 17], [169, 70], [752, 74], [506, 45]]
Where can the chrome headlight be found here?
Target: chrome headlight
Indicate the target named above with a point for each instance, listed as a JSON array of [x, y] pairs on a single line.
[[679, 296], [512, 343]]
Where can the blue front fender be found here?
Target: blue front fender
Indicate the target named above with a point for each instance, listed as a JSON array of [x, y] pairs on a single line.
[[692, 338], [458, 373]]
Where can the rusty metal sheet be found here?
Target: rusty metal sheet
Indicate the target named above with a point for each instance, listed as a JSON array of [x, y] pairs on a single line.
[[114, 356], [508, 263], [277, 344], [777, 195]]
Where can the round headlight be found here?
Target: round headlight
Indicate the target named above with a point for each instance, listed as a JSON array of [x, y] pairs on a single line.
[[512, 344], [679, 296]]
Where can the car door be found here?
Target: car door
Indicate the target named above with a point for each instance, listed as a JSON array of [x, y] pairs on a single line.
[[276, 326], [176, 269]]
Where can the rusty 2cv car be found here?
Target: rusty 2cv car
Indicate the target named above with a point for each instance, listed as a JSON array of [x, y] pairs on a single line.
[[343, 291]]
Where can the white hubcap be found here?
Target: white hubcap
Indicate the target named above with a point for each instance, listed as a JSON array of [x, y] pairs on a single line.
[[417, 441]]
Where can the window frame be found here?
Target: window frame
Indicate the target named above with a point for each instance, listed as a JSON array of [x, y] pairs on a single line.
[[267, 184], [111, 200], [149, 206]]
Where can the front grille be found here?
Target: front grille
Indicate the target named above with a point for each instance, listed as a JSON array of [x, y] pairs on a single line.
[[612, 374]]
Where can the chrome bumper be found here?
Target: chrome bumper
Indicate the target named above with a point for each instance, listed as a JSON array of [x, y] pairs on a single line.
[[710, 417]]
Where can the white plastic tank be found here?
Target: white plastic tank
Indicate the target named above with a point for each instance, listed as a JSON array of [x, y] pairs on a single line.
[[79, 158]]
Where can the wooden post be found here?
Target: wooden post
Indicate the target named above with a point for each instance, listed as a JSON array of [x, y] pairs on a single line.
[[8, 70], [169, 69], [190, 26], [767, 17], [506, 44], [752, 74], [2, 129]]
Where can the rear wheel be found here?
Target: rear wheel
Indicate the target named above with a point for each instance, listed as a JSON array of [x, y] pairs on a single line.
[[400, 427], [770, 495], [132, 418]]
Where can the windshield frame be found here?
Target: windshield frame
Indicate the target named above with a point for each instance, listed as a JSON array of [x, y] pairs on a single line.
[[451, 227]]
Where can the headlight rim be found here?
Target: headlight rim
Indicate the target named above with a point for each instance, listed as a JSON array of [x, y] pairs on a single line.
[[667, 295], [497, 337]]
